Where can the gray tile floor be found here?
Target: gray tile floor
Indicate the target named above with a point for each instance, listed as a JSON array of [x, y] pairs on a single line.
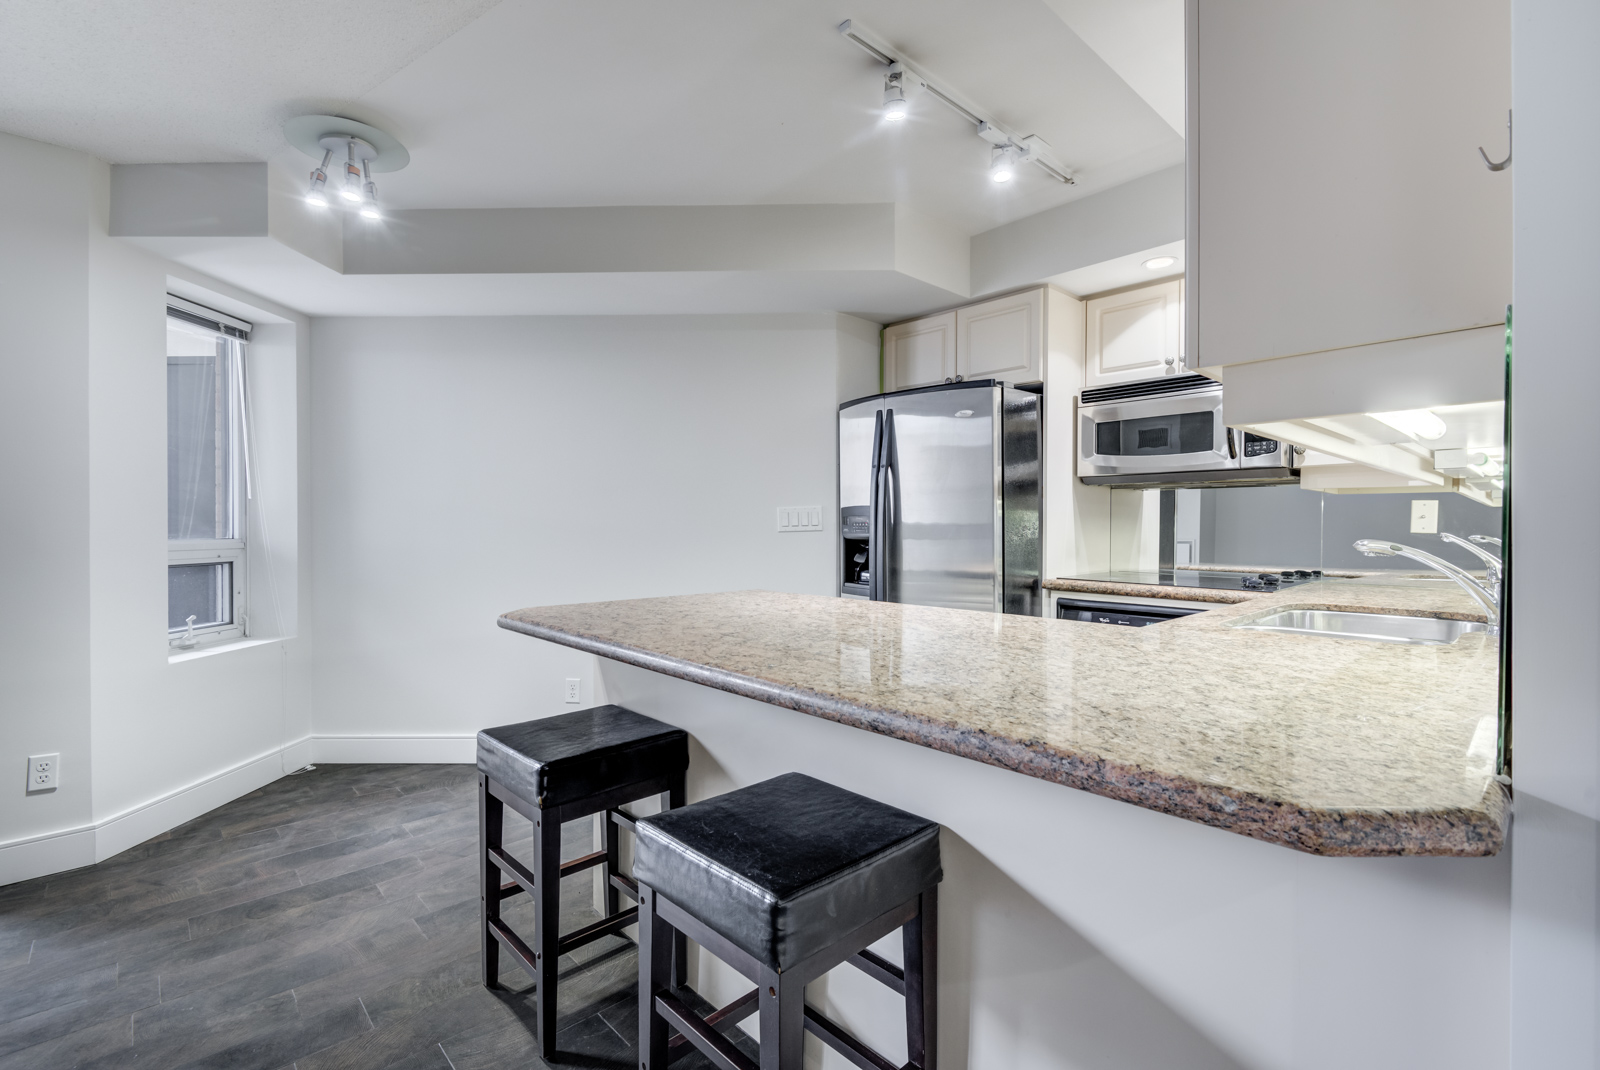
[[327, 921]]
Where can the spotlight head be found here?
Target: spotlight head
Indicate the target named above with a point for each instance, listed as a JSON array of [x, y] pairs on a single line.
[[894, 104], [369, 203], [352, 183], [1003, 164], [894, 94], [317, 195]]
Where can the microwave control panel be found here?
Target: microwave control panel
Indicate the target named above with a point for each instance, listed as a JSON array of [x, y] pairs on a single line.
[[1256, 446]]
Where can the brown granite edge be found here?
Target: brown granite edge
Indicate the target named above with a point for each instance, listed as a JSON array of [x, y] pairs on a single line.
[[1151, 590], [1455, 832]]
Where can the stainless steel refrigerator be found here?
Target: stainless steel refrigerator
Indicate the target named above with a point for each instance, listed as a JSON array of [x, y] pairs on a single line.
[[939, 497]]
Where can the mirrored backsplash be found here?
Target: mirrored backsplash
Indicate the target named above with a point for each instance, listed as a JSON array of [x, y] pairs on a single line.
[[1289, 527]]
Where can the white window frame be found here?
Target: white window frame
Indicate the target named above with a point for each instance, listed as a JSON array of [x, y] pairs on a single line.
[[234, 552]]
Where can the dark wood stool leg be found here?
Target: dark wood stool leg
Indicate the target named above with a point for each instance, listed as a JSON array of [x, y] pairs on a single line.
[[921, 936], [609, 843], [655, 975], [491, 826], [677, 797], [783, 1021], [546, 928]]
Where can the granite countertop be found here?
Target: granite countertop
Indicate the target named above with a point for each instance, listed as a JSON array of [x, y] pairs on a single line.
[[1330, 746]]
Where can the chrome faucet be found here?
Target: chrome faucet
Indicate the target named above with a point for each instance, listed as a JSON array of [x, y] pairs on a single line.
[[1491, 563], [1489, 601]]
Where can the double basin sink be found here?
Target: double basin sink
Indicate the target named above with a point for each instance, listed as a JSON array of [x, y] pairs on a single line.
[[1375, 627]]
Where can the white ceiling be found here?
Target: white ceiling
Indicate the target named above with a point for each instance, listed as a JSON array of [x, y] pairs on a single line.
[[608, 102]]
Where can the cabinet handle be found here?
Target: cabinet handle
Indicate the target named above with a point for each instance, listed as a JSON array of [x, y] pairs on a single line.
[[1505, 163]]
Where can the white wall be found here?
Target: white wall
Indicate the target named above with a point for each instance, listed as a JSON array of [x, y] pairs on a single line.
[[465, 467], [1556, 587], [145, 743]]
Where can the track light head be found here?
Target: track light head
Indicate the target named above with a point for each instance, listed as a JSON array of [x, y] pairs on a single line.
[[895, 106], [1003, 163], [369, 202]]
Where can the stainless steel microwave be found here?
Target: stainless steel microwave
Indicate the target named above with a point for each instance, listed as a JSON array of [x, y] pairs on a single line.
[[1169, 433]]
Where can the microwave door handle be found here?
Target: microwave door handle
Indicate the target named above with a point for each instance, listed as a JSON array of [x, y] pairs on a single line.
[[874, 514], [1233, 451]]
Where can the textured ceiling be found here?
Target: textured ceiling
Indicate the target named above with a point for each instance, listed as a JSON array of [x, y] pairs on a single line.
[[531, 102]]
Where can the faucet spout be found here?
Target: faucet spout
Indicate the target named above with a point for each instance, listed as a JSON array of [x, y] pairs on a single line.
[[1489, 602], [1491, 563]]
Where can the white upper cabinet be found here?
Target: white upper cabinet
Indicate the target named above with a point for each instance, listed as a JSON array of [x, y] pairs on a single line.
[[1137, 334], [1002, 338], [1336, 193], [920, 352]]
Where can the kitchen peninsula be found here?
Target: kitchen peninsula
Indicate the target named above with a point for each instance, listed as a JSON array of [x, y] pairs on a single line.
[[1327, 746], [1283, 788]]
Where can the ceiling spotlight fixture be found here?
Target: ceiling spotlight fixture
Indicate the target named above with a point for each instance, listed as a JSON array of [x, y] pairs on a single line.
[[1156, 263], [1010, 150], [365, 149], [1003, 163], [317, 195], [1418, 423], [895, 105]]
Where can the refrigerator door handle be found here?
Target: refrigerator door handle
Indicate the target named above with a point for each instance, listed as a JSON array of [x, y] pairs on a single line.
[[889, 559], [874, 514]]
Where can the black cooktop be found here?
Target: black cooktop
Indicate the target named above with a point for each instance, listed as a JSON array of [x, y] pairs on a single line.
[[1211, 580]]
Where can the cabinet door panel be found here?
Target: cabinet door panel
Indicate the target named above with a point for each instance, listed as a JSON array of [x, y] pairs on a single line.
[[1001, 339], [1135, 335], [920, 353]]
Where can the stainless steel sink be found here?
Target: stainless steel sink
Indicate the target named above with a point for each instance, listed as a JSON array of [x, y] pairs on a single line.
[[1375, 627]]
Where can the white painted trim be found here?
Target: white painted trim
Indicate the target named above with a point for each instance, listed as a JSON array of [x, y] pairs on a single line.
[[223, 648], [52, 852], [395, 750]]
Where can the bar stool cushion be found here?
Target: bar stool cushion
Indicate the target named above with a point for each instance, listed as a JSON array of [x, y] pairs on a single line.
[[785, 868], [570, 756]]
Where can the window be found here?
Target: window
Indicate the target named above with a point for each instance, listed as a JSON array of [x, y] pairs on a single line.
[[208, 475]]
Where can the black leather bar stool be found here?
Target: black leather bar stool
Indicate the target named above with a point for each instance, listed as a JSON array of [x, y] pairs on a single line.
[[553, 770], [783, 881]]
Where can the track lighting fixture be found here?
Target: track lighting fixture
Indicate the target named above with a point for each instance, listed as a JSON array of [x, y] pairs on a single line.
[[1003, 163], [895, 105], [1010, 150], [365, 149]]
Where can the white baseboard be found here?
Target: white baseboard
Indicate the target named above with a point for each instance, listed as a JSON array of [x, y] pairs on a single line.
[[394, 750], [54, 852]]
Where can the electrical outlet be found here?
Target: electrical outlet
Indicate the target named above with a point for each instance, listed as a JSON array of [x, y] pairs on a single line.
[[574, 689], [43, 772], [1424, 517], [799, 518]]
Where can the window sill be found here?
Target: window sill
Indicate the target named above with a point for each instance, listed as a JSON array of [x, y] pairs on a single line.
[[220, 648]]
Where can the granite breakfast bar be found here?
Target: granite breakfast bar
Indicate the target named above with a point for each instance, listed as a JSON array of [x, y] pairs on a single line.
[[1231, 745]]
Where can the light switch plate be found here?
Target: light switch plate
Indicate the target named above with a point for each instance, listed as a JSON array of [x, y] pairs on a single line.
[[799, 518], [1424, 517], [43, 772], [574, 689]]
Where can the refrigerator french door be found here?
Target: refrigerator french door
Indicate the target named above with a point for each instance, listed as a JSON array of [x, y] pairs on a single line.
[[939, 497]]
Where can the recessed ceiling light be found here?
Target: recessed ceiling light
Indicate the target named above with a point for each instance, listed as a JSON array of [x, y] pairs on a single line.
[[1156, 263]]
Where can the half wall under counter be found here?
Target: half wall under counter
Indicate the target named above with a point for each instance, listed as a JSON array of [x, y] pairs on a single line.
[[1332, 747]]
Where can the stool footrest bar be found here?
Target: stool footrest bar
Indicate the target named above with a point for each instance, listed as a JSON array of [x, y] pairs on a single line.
[[513, 943], [519, 872], [880, 969], [510, 888], [834, 1036], [737, 1011], [583, 862], [604, 927], [712, 1044], [626, 885], [621, 819]]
